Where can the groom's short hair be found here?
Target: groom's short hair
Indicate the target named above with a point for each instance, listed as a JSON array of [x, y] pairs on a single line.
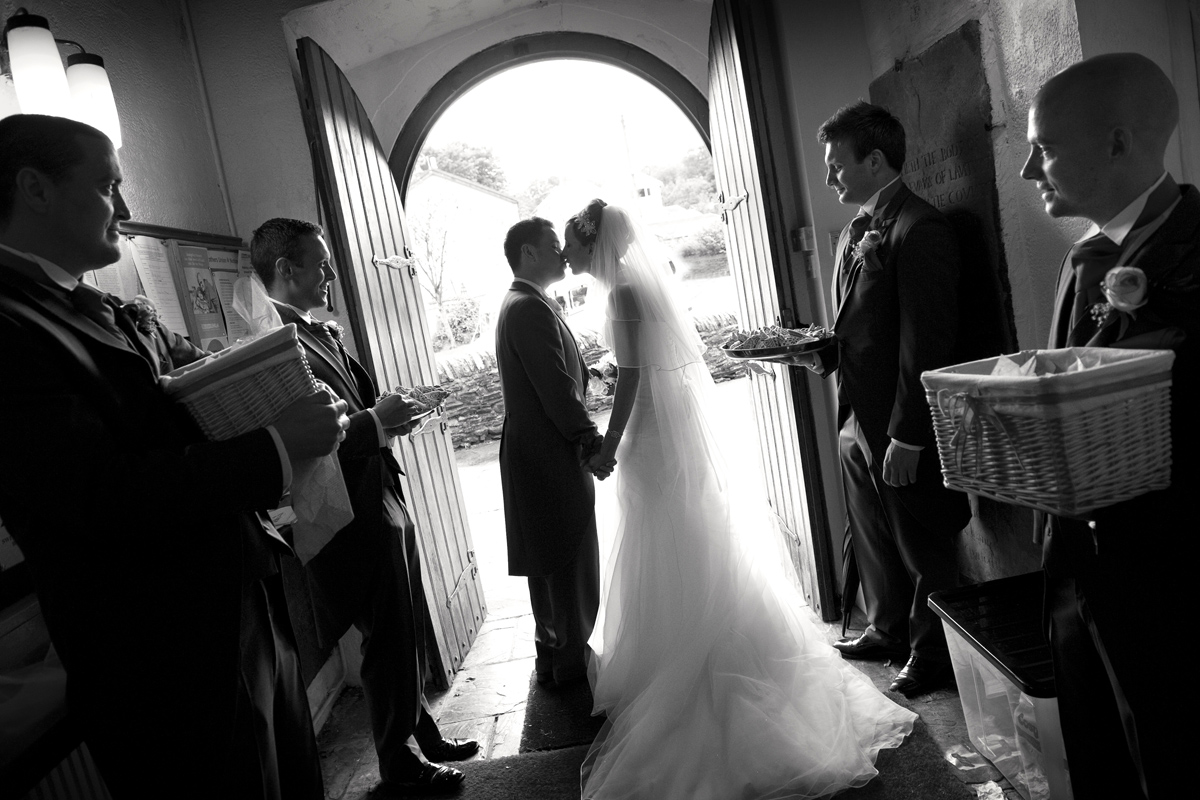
[[527, 231], [865, 128]]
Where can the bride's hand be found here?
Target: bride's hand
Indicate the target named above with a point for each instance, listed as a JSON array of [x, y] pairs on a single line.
[[600, 466]]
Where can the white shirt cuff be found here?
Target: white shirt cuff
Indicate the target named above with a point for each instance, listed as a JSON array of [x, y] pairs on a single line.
[[284, 461], [383, 437], [903, 446]]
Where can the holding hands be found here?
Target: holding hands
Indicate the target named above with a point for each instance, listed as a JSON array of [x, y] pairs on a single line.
[[603, 456]]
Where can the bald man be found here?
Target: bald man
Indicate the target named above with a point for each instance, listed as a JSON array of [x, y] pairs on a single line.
[[1098, 132]]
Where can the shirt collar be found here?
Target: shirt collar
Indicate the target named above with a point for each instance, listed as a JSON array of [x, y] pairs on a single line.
[[300, 312], [540, 290], [1119, 226], [56, 274], [868, 207]]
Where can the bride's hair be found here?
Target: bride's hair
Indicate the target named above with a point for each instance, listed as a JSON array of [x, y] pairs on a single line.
[[586, 224]]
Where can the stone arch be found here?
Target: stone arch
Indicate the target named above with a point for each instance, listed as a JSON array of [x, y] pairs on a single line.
[[540, 47]]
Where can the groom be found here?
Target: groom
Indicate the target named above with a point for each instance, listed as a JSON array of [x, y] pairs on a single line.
[[549, 498]]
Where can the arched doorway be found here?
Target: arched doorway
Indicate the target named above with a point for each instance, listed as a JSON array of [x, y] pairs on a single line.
[[538, 47]]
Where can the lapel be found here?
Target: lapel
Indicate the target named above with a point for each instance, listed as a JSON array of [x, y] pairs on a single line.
[[317, 348], [882, 220], [525, 288], [29, 280], [1064, 298]]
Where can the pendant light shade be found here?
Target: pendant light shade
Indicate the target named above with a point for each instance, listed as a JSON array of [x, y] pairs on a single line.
[[37, 70], [92, 96]]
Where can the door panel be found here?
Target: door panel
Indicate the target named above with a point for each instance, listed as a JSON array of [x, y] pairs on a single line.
[[366, 232], [755, 173]]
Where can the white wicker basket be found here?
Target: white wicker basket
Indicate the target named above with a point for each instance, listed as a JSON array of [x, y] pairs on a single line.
[[245, 387], [1066, 443]]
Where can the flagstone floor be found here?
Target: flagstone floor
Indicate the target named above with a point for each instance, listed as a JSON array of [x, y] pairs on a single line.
[[487, 699]]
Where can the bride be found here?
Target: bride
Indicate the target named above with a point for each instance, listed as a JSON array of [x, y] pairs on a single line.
[[714, 683]]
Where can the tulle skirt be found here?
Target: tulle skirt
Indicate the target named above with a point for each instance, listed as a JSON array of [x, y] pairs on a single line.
[[714, 682]]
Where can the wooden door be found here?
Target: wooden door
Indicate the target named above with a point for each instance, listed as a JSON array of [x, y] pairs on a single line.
[[767, 236], [366, 232]]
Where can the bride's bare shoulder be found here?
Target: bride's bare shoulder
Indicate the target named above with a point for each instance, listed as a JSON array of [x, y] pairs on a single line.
[[622, 301]]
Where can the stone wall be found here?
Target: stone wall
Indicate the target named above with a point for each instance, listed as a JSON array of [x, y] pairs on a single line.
[[475, 409]]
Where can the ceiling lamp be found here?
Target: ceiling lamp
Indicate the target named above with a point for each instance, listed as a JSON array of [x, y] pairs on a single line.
[[92, 96], [81, 92], [37, 69]]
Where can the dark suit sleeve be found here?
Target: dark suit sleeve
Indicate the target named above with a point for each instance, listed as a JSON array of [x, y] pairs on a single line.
[[927, 275], [67, 440], [536, 337], [362, 439]]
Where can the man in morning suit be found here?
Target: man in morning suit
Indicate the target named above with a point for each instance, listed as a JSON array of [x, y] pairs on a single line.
[[895, 291], [369, 575], [158, 581], [1098, 133], [549, 498]]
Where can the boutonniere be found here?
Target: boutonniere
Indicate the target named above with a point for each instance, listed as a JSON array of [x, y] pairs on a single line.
[[337, 330], [866, 247], [1125, 289], [143, 313]]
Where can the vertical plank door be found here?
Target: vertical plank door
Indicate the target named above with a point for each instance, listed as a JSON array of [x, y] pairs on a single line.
[[756, 176], [366, 231]]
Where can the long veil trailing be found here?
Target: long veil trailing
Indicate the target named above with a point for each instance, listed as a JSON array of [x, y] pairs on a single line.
[[714, 682]]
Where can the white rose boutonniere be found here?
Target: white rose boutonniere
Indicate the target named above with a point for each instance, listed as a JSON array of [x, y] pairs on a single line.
[[866, 247], [1125, 288]]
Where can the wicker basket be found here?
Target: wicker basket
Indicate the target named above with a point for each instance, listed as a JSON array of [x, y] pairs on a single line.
[[245, 387], [1065, 443]]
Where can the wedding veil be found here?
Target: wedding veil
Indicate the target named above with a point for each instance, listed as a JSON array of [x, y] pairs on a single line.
[[645, 326]]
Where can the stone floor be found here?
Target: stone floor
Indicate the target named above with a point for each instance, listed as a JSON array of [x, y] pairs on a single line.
[[486, 701]]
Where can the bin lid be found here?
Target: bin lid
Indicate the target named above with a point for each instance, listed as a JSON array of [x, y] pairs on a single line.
[[1003, 621]]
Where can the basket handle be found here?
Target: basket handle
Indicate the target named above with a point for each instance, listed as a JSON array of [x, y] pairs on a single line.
[[966, 410]]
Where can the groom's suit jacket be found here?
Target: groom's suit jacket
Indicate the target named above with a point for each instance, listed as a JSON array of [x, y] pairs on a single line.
[[140, 535], [549, 499], [895, 317]]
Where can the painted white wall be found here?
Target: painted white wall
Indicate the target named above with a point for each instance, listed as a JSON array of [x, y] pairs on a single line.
[[170, 172]]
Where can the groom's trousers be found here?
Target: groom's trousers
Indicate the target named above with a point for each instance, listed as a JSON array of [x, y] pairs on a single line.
[[565, 604]]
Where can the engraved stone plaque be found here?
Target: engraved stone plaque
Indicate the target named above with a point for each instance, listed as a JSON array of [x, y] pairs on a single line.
[[941, 96]]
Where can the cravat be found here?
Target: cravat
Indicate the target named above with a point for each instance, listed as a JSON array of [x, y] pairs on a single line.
[[858, 229], [325, 336], [95, 305], [1091, 259], [102, 309]]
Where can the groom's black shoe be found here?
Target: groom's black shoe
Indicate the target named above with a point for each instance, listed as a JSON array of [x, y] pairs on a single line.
[[452, 750], [872, 645], [922, 675], [430, 780]]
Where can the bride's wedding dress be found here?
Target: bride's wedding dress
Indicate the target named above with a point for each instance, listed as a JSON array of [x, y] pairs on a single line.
[[715, 683]]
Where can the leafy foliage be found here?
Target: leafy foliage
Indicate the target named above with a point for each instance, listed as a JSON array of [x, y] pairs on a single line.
[[533, 194], [691, 183], [474, 163], [708, 241], [459, 323]]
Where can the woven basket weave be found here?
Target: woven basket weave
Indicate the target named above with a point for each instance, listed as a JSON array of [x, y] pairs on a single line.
[[245, 387], [1066, 443]]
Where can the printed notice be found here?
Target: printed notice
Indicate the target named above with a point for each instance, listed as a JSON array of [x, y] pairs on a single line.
[[154, 270], [202, 298], [223, 264]]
